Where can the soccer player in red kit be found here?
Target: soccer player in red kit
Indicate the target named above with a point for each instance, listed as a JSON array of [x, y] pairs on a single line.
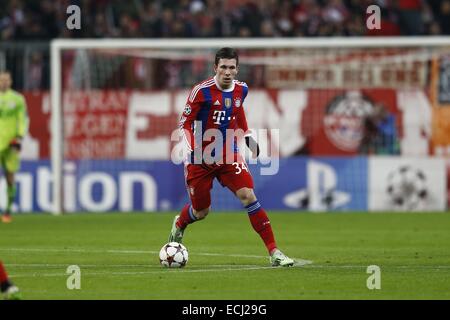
[[217, 104], [10, 291]]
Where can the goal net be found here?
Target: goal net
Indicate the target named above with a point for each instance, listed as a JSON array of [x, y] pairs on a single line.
[[344, 124]]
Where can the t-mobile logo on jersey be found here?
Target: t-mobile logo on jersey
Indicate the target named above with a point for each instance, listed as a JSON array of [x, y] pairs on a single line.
[[218, 116], [216, 140]]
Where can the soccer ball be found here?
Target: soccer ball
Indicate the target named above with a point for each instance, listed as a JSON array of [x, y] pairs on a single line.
[[173, 255]]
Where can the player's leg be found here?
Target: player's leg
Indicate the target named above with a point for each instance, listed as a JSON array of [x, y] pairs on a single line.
[[11, 195], [239, 180], [198, 185], [2, 171], [258, 217], [261, 224], [7, 288], [11, 164]]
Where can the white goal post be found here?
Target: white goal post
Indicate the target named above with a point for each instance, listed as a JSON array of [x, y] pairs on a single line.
[[58, 46]]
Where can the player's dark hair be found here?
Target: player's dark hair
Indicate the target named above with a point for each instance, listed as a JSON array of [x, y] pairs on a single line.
[[226, 53]]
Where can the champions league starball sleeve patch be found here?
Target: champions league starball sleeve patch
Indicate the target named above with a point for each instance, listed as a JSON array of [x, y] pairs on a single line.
[[187, 110]]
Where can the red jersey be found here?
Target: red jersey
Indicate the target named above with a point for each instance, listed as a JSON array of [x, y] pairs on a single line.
[[211, 107]]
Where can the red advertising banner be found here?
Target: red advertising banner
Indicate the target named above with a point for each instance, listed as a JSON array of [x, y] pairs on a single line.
[[121, 124], [95, 124]]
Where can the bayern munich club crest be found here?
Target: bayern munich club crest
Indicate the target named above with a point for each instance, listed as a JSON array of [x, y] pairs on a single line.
[[344, 118], [237, 103]]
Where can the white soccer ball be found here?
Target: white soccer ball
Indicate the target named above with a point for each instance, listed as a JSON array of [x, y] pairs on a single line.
[[173, 255]]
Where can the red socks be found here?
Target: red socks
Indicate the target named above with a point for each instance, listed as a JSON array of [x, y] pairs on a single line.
[[186, 217], [3, 275], [261, 224]]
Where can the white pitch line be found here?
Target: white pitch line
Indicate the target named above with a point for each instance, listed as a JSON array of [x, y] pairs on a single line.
[[54, 266], [297, 264], [61, 265], [165, 271], [299, 261], [124, 252]]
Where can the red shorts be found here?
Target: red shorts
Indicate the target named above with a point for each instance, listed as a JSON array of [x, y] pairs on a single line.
[[200, 177]]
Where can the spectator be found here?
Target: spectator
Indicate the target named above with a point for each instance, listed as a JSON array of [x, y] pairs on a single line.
[[128, 26], [410, 12], [47, 19], [151, 21], [100, 26], [434, 29], [283, 20], [379, 133], [267, 29], [335, 12], [444, 17], [12, 22]]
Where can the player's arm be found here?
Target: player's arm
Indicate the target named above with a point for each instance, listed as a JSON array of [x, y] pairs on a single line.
[[22, 124], [249, 140], [187, 120]]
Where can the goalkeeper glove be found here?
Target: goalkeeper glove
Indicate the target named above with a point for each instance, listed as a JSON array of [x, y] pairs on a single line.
[[16, 143], [251, 143]]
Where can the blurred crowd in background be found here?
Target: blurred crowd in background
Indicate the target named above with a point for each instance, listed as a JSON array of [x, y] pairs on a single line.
[[26, 26], [46, 19]]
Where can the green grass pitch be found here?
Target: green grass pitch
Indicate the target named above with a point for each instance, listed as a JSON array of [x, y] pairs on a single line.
[[118, 256]]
